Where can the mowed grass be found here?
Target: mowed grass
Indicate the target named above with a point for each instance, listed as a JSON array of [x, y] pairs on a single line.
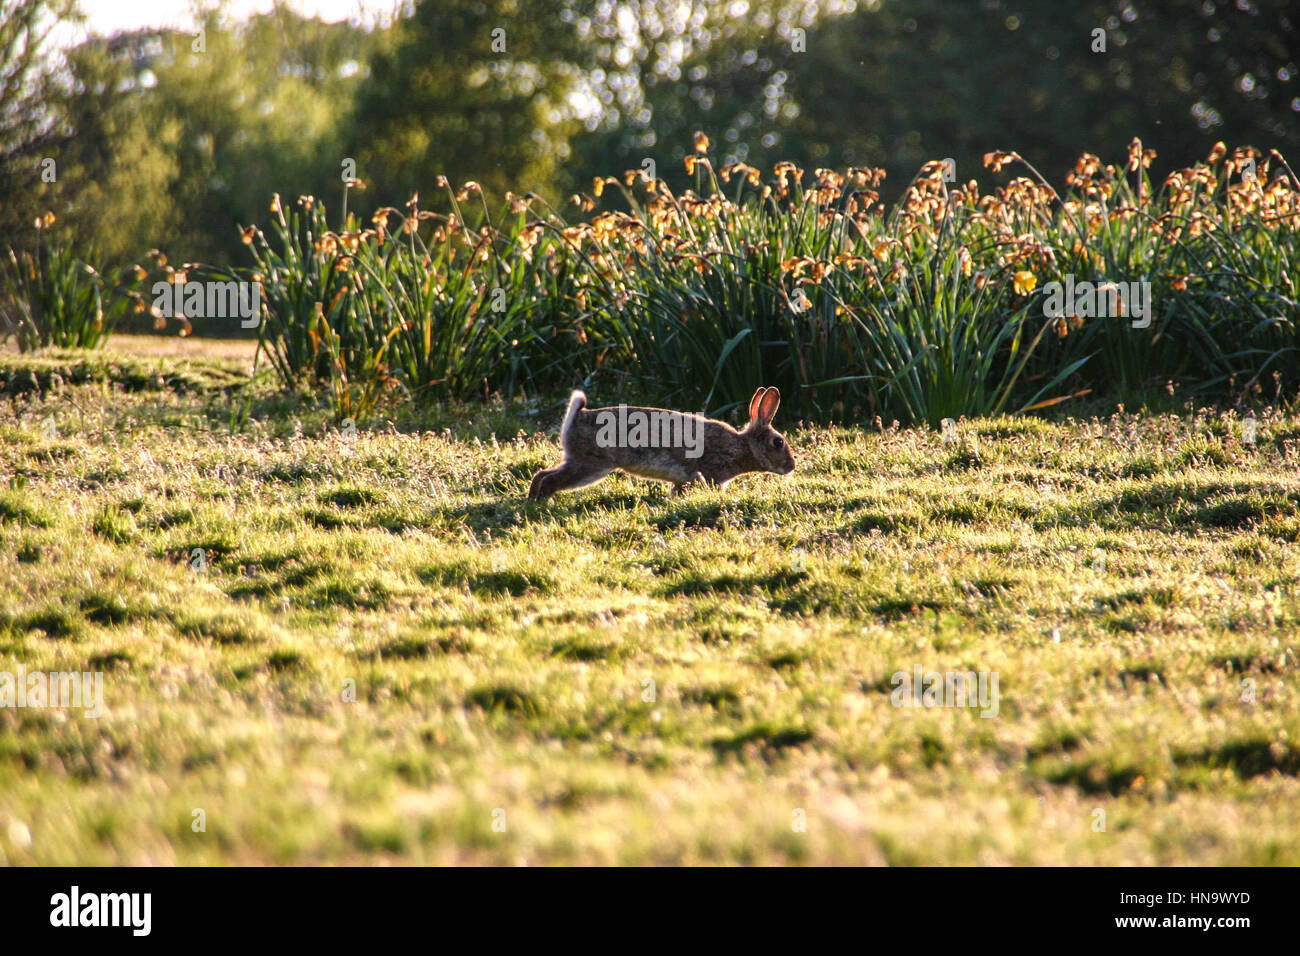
[[366, 648]]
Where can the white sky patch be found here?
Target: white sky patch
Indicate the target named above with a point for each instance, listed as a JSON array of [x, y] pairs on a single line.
[[106, 17]]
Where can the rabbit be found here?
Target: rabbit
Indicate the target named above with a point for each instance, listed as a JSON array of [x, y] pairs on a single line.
[[597, 441]]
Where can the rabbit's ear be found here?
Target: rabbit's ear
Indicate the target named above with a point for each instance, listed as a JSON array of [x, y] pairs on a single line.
[[753, 403], [767, 406]]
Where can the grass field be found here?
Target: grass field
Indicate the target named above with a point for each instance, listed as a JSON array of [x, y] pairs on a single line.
[[368, 647]]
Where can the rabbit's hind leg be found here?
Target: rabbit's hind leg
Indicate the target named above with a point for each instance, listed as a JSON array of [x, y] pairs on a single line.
[[571, 474], [535, 489]]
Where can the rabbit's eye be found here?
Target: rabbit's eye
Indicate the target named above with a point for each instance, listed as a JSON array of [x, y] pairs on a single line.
[[777, 442]]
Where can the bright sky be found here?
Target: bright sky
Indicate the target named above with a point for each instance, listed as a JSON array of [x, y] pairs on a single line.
[[109, 16]]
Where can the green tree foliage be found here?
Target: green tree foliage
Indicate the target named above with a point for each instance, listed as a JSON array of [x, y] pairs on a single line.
[[172, 140], [257, 107], [28, 127], [489, 92], [117, 161], [899, 82]]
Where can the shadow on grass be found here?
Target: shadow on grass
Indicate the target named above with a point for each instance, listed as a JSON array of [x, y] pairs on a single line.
[[1182, 506]]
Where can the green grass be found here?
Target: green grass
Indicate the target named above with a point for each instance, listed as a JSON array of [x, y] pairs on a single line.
[[390, 650]]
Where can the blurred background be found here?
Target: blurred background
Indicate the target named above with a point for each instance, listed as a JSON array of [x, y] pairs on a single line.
[[172, 126]]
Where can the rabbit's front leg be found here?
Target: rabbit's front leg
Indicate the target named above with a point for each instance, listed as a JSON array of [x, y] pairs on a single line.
[[681, 489]]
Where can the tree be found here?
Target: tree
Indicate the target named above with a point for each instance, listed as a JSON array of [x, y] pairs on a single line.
[[29, 74], [259, 107], [904, 81], [474, 91]]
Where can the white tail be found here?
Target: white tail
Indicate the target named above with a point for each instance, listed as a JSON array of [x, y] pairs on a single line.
[[577, 402]]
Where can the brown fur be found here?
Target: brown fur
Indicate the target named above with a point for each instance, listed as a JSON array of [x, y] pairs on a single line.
[[725, 454]]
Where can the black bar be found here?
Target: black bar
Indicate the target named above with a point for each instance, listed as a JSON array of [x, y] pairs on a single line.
[[337, 906]]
